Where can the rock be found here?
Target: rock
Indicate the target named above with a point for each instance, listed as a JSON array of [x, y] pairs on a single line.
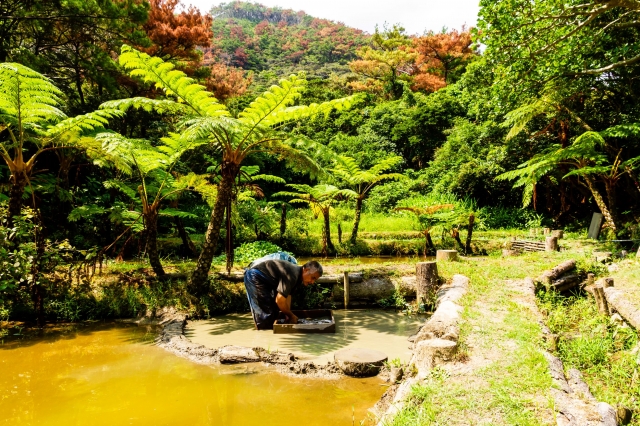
[[395, 374], [509, 253], [614, 267], [236, 354], [360, 362], [446, 255], [429, 353]]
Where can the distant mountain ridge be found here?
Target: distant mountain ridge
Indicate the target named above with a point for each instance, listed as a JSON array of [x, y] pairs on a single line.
[[254, 37]]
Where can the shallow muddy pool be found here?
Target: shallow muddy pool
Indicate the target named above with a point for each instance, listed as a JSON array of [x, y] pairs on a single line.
[[114, 375], [386, 331]]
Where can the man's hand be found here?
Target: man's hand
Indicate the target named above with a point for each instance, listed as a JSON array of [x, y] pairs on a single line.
[[284, 304]]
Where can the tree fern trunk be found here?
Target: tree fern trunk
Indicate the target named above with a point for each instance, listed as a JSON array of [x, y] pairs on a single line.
[[467, 247], [456, 236], [151, 221], [356, 221], [18, 182], [611, 198], [327, 227], [201, 273], [430, 246], [188, 248], [608, 218]]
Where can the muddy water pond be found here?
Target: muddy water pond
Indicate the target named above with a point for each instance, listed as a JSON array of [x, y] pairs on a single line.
[[386, 331], [114, 375]]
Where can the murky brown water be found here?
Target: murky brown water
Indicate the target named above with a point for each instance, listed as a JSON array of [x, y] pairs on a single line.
[[114, 375], [386, 331]]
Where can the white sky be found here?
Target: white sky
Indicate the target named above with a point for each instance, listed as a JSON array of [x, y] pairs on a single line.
[[415, 15]]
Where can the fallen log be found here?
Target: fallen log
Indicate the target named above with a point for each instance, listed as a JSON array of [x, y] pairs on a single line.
[[565, 283], [547, 277]]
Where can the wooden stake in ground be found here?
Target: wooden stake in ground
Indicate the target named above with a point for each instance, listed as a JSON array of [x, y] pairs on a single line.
[[426, 282], [548, 276], [346, 289]]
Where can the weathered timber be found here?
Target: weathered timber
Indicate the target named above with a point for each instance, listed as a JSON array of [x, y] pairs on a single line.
[[449, 255], [619, 301], [558, 233], [551, 244], [565, 283], [354, 277], [602, 256], [526, 245], [605, 282], [427, 281], [547, 277], [574, 404], [346, 289], [547, 231], [360, 362], [601, 300], [430, 353]]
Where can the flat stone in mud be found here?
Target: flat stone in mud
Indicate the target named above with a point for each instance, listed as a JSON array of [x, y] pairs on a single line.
[[360, 362], [237, 354]]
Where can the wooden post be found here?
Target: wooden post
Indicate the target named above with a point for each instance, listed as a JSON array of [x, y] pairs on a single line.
[[346, 289], [558, 233], [446, 255], [607, 282], [426, 282], [551, 244], [601, 300], [547, 231], [590, 278]]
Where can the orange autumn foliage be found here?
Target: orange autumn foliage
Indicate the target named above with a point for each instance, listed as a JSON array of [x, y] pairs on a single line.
[[439, 55], [176, 35], [227, 82]]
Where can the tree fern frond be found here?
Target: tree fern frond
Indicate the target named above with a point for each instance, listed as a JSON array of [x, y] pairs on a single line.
[[273, 101], [173, 82], [161, 106]]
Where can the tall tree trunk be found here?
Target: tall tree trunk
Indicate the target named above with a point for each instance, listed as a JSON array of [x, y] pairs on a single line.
[[610, 186], [188, 248], [18, 182], [429, 248], [201, 273], [467, 247], [608, 218], [37, 291], [456, 236], [151, 222], [327, 227], [356, 221]]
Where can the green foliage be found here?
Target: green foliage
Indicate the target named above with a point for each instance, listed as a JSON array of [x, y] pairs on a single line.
[[248, 252]]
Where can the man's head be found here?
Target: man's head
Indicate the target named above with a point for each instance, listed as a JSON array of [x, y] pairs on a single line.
[[311, 271]]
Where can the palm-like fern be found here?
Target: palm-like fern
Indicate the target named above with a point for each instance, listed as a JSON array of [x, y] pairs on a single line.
[[585, 160], [256, 129], [154, 181], [428, 218], [320, 198], [29, 114], [362, 181]]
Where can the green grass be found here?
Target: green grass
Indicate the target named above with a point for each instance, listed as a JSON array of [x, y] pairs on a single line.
[[601, 350], [514, 388]]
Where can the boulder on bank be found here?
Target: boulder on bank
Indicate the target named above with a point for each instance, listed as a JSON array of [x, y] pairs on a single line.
[[360, 362]]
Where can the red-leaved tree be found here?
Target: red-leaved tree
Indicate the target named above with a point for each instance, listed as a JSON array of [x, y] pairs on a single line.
[[176, 35], [441, 57]]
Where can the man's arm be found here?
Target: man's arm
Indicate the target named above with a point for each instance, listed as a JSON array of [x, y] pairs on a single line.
[[284, 303]]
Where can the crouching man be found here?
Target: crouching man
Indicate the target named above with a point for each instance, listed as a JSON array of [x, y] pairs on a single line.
[[270, 285]]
